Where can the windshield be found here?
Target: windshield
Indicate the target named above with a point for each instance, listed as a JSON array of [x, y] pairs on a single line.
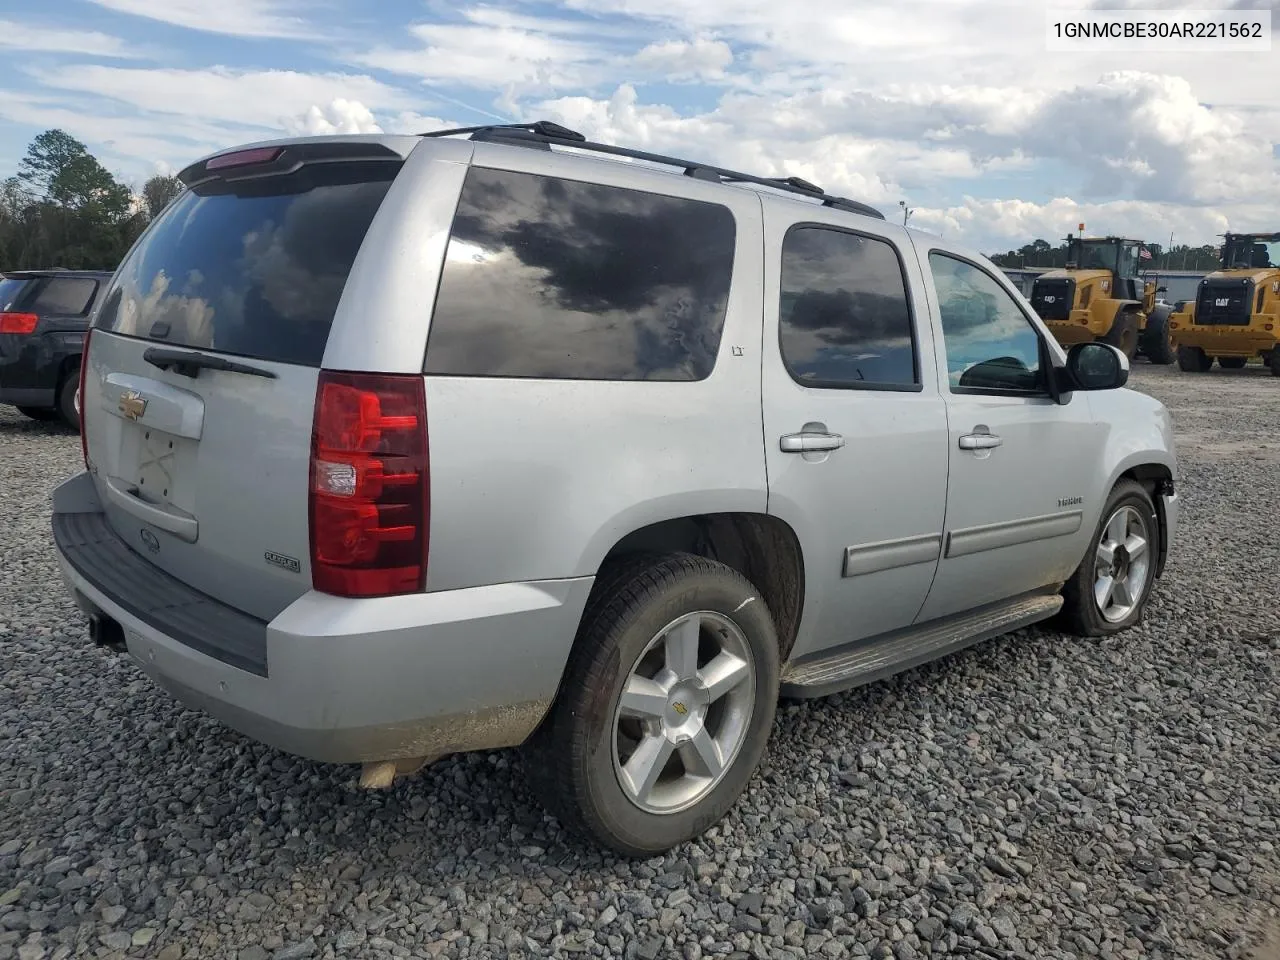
[[1251, 253], [1097, 256]]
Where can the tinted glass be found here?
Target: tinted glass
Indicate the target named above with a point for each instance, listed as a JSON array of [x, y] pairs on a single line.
[[991, 346], [559, 279], [65, 296], [844, 319], [10, 291], [255, 271]]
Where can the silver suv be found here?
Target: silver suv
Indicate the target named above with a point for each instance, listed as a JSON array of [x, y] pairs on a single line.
[[403, 446]]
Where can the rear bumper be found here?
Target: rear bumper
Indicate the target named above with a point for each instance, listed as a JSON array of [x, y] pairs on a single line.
[[347, 680], [28, 396], [1229, 341], [31, 367]]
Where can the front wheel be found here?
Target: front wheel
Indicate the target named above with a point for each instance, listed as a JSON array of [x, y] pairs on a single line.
[[1124, 334], [1193, 360], [1232, 363], [1157, 340], [666, 705], [1109, 590]]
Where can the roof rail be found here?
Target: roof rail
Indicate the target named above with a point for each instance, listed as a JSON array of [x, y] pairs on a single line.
[[542, 134]]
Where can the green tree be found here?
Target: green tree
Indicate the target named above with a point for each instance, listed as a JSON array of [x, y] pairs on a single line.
[[158, 191]]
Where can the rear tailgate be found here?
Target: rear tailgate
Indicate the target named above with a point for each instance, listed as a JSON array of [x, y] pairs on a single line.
[[204, 361]]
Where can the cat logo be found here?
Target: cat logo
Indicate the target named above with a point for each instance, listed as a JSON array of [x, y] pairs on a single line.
[[1222, 302], [132, 405], [1051, 299]]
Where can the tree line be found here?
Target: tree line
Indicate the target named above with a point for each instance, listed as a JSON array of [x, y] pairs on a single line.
[[65, 209], [1040, 253]]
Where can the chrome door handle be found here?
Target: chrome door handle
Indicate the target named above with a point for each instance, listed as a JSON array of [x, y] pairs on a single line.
[[980, 441], [808, 442]]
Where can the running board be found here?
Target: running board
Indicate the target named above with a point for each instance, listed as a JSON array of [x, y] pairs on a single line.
[[874, 660]]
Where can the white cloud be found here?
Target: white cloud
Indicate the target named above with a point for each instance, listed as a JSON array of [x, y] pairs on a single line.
[[26, 36], [340, 116], [241, 18], [492, 52], [680, 59], [267, 99]]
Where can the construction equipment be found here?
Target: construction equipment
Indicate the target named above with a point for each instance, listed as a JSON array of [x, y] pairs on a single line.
[[1236, 313], [1100, 295]]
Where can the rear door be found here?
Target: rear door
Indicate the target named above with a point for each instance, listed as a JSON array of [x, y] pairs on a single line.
[[203, 463], [855, 430]]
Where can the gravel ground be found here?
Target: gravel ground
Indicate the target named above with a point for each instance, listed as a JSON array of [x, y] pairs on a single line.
[[1037, 796]]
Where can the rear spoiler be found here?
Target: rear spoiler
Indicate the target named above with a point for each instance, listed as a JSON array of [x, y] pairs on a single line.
[[269, 160]]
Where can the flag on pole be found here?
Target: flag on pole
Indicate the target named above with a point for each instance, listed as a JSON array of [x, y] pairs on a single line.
[[1144, 253]]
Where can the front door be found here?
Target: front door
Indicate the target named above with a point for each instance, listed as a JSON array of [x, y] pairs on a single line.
[[1020, 463], [855, 430]]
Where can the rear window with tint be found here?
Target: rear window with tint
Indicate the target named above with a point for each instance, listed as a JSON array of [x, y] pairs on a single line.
[[253, 269], [65, 296], [559, 279], [10, 291]]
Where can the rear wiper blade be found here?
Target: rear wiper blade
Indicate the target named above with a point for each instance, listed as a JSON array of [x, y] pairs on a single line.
[[190, 364]]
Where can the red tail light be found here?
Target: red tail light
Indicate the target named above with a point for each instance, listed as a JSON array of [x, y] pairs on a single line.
[[84, 366], [369, 497], [18, 322]]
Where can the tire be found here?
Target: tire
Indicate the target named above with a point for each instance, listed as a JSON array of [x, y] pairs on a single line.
[[580, 752], [1193, 360], [1232, 363], [1157, 345], [1124, 334], [68, 402], [1082, 611], [1274, 361], [42, 414]]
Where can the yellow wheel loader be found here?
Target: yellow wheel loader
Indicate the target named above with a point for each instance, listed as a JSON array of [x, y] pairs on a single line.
[[1101, 296], [1236, 313]]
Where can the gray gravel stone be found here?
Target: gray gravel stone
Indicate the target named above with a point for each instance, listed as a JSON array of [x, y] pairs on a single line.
[[1043, 791]]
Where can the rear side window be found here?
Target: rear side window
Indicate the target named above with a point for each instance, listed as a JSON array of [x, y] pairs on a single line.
[[254, 268], [844, 320], [65, 296], [558, 279], [10, 290]]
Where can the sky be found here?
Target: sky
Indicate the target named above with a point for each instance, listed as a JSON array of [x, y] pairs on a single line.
[[954, 106]]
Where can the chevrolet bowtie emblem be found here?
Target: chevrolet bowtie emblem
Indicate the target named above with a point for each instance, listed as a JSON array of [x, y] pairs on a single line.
[[133, 405], [680, 708]]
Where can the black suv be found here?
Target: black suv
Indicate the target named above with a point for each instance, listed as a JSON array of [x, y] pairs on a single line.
[[44, 315]]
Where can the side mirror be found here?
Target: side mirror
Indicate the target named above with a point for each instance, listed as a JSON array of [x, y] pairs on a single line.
[[1096, 366]]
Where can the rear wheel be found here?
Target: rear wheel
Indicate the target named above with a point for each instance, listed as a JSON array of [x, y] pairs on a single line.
[[42, 414], [1109, 590], [69, 401], [1232, 363], [1157, 342], [1274, 362], [1193, 360], [1124, 334], [666, 705]]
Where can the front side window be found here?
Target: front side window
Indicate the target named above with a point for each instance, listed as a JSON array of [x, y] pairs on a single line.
[[990, 344], [844, 319], [548, 278]]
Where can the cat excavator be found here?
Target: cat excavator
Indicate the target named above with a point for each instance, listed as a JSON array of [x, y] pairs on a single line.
[[1235, 315], [1100, 295]]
